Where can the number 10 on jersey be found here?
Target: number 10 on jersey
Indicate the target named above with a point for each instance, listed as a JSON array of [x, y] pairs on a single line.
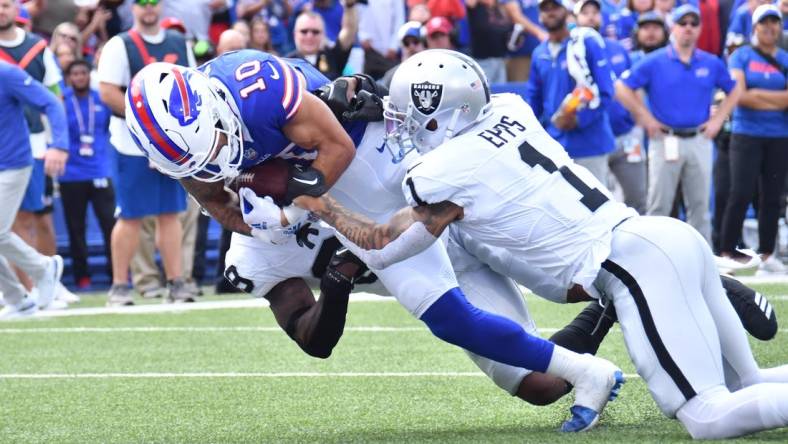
[[247, 70]]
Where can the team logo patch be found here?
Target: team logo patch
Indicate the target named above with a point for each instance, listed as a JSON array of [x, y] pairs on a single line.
[[185, 104], [426, 96]]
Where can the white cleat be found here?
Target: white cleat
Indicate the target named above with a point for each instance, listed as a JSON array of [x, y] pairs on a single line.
[[25, 308], [47, 285], [599, 384]]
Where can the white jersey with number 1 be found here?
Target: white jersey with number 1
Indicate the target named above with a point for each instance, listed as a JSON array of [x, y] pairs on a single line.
[[521, 191]]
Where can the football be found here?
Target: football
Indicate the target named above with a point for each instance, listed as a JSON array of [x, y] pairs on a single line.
[[269, 178]]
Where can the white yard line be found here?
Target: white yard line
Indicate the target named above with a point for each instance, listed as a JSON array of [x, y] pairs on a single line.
[[233, 375]]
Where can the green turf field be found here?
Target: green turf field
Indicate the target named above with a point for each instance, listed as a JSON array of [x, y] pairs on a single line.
[[229, 375]]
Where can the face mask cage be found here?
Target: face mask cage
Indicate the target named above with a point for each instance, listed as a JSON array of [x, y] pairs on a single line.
[[400, 127], [222, 162]]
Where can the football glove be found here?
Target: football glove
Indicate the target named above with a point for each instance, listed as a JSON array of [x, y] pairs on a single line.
[[264, 217]]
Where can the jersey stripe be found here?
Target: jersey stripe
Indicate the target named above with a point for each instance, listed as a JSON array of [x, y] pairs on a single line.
[[287, 95], [299, 93], [156, 135]]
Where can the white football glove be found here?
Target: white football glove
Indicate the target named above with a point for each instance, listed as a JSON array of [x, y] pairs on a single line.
[[265, 218]]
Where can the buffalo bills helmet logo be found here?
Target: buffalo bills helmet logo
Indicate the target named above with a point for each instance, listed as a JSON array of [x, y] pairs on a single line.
[[184, 104], [426, 96]]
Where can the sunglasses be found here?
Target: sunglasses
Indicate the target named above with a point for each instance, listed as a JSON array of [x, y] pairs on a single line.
[[310, 31], [411, 42], [147, 2], [685, 23]]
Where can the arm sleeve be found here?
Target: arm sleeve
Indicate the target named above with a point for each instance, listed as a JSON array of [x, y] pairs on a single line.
[[34, 94], [603, 77], [415, 239]]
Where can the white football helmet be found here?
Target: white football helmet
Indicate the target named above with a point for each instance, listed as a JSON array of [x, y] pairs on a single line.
[[176, 116], [434, 96]]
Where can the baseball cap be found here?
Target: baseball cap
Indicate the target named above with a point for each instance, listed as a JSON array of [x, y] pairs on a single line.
[[650, 17], [683, 10], [565, 3], [438, 24], [409, 29], [174, 24], [763, 11], [23, 17], [579, 5]]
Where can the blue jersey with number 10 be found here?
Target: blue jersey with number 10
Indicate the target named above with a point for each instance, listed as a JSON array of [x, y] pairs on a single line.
[[267, 92]]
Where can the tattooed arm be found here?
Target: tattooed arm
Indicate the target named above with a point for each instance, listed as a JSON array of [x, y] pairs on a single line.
[[407, 233], [221, 204]]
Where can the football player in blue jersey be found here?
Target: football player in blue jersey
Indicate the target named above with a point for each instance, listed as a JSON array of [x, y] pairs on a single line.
[[207, 126]]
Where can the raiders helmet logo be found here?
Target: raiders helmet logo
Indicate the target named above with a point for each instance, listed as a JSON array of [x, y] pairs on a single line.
[[426, 96]]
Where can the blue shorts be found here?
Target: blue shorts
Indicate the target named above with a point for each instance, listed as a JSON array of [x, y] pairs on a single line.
[[142, 191], [34, 194]]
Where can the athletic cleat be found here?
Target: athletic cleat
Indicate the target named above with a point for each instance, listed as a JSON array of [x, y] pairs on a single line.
[[771, 267], [47, 285], [583, 418], [600, 383], [26, 307]]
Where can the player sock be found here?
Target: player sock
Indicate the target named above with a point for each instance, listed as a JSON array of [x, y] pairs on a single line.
[[453, 319], [565, 364], [718, 413], [587, 330]]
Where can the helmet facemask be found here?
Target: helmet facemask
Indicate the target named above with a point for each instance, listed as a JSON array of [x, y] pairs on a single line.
[[223, 162]]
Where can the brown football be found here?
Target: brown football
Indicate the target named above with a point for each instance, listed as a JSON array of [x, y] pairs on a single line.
[[266, 179]]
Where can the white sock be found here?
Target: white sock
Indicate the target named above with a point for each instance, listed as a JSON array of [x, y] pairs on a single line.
[[716, 413], [566, 364]]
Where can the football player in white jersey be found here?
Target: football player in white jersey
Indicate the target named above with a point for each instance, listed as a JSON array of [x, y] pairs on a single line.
[[244, 107], [488, 167]]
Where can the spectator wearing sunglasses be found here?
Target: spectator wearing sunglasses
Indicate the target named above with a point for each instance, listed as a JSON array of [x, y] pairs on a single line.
[[313, 46], [759, 140], [679, 81]]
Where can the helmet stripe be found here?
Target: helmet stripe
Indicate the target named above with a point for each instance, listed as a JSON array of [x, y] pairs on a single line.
[[152, 130], [181, 83]]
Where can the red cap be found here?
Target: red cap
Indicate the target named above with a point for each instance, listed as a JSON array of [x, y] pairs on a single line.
[[174, 24], [438, 24], [23, 17]]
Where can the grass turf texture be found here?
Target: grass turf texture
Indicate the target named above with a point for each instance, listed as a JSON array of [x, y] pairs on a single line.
[[171, 400]]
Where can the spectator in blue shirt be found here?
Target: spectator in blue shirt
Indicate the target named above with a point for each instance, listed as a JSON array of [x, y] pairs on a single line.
[[88, 169], [18, 89], [585, 131], [680, 81], [627, 162], [740, 27], [759, 143]]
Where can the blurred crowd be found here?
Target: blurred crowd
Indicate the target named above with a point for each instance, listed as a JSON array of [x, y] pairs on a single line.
[[665, 100]]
